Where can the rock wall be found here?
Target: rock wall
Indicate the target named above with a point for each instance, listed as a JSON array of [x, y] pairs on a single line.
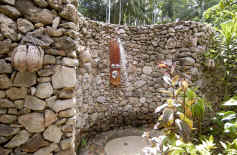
[[38, 64], [103, 106]]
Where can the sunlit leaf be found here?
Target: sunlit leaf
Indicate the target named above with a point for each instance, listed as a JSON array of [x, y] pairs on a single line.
[[175, 80], [231, 102], [160, 108], [167, 79], [186, 119], [184, 85], [168, 117]]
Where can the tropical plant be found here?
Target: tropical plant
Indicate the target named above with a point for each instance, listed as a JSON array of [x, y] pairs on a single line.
[[182, 106], [226, 121], [230, 148]]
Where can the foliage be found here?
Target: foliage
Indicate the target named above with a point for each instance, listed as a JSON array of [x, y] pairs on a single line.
[[173, 145], [230, 148], [205, 148], [226, 121], [224, 51], [143, 12], [221, 12]]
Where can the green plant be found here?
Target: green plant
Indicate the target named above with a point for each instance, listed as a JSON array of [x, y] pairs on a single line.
[[230, 148], [182, 106], [224, 50], [226, 121], [181, 148]]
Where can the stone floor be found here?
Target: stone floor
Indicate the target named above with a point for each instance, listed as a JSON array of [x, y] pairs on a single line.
[[124, 141]]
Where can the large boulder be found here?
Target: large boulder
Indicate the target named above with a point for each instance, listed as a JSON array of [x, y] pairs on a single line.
[[8, 27], [33, 13]]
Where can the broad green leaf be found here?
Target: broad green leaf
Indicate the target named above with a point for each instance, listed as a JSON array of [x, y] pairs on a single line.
[[231, 102]]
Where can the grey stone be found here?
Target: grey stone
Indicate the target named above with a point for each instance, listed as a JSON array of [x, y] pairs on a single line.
[[8, 27], [2, 150], [38, 37], [66, 143], [33, 122], [5, 82], [11, 2], [3, 111], [69, 12], [34, 143], [67, 113], [53, 134], [41, 3], [66, 93], [46, 72], [6, 46], [25, 79], [7, 119], [2, 94], [60, 105], [34, 103], [58, 5], [19, 104], [44, 90], [6, 130], [47, 150], [189, 61], [44, 79], [70, 25], [66, 152], [55, 52], [56, 22], [21, 138], [70, 62], [16, 93], [5, 67], [101, 99], [9, 11], [171, 43], [65, 43], [34, 14], [3, 140], [49, 60], [50, 117], [64, 77], [24, 25], [147, 70], [140, 83], [54, 32], [5, 103]]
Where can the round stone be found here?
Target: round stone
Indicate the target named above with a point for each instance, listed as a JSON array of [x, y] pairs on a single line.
[[130, 145]]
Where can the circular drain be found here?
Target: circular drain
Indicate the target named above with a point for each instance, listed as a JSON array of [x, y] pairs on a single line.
[[130, 145]]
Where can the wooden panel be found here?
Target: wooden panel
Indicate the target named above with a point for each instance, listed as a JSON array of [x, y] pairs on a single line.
[[114, 63]]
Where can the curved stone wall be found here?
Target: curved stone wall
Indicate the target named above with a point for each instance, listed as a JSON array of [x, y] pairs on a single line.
[[46, 102], [103, 106]]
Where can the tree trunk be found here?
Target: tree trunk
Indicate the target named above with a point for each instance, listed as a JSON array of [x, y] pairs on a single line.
[[109, 11], [120, 11]]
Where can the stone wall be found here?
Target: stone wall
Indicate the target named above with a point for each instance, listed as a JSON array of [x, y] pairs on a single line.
[[37, 103], [103, 106]]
